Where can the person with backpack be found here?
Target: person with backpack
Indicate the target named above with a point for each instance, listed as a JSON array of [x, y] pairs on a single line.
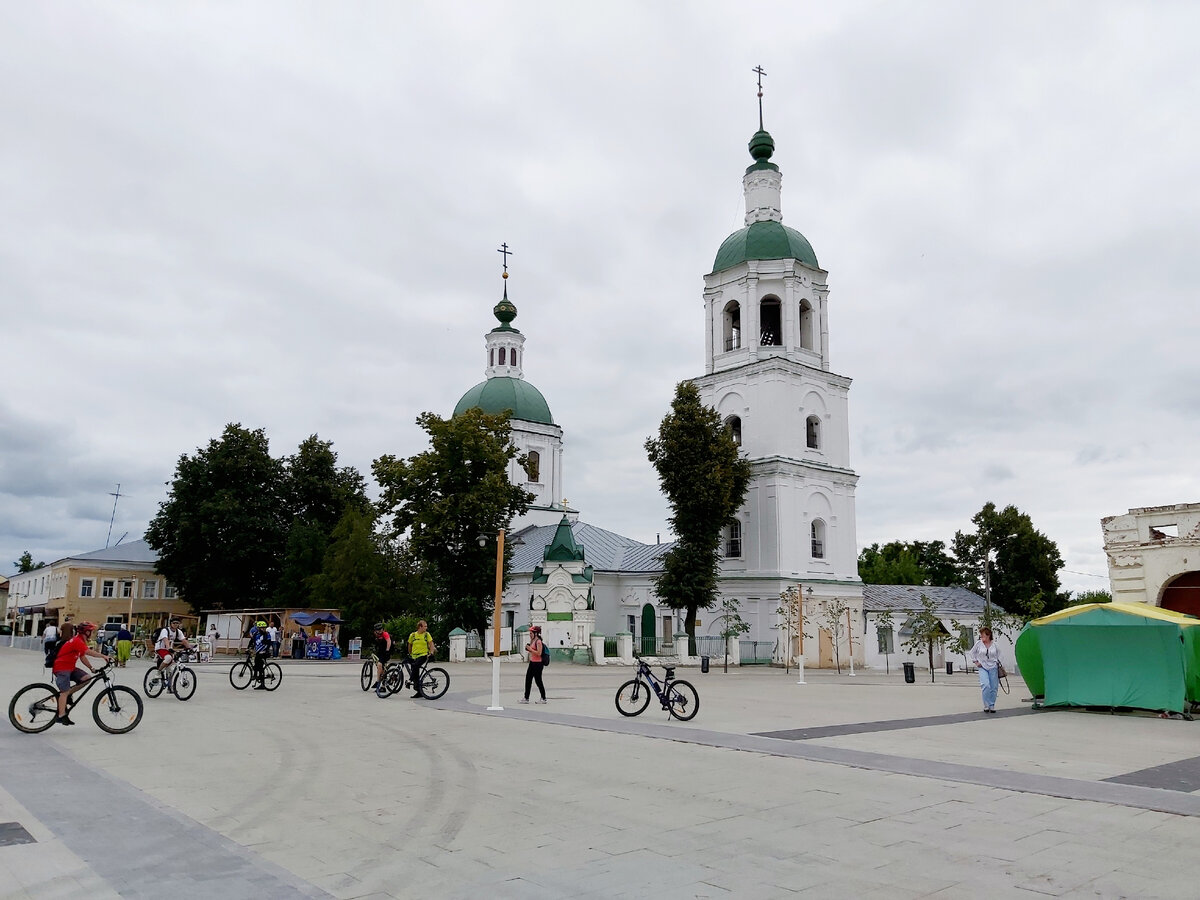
[[420, 651], [72, 654], [538, 658], [167, 638], [260, 644], [383, 653]]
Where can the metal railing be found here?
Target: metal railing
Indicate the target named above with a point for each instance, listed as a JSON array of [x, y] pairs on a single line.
[[655, 646], [756, 653]]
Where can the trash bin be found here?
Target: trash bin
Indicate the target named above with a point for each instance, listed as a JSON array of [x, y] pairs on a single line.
[[704, 664], [297, 648], [950, 667], [910, 673]]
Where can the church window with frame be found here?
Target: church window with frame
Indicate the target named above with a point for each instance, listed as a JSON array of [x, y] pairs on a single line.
[[733, 540], [806, 326], [812, 433], [732, 318], [734, 424], [502, 355], [770, 322], [533, 466], [513, 356], [818, 539]]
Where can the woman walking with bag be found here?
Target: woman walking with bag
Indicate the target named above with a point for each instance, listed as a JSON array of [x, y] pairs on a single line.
[[986, 657], [537, 650]]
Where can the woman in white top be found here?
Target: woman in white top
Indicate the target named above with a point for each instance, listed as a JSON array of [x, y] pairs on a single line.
[[986, 657]]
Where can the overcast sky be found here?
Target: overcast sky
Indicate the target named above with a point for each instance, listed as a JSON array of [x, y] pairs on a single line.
[[286, 215]]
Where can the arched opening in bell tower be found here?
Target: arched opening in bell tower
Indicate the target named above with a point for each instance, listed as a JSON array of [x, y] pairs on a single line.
[[533, 466], [771, 322], [732, 317], [734, 424], [812, 433], [1182, 594], [818, 539], [502, 354], [806, 325]]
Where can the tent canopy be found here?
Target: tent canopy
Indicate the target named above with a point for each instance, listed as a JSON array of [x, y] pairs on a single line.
[[312, 618], [1112, 655]]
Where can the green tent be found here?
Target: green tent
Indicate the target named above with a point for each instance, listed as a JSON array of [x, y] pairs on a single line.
[[1112, 655]]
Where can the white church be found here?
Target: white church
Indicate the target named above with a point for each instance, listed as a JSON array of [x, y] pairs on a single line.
[[768, 373]]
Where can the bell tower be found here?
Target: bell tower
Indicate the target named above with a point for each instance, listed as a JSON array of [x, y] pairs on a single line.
[[768, 374]]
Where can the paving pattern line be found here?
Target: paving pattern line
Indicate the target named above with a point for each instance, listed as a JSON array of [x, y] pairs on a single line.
[[156, 851], [1113, 793]]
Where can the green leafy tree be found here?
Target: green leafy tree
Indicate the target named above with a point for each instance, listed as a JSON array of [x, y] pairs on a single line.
[[732, 623], [354, 575], [1024, 571], [704, 480], [926, 630], [221, 532], [833, 620], [26, 563], [316, 493], [1081, 597], [444, 498], [907, 562], [791, 621]]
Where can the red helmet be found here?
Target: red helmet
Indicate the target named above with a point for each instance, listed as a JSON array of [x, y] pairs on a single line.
[[536, 629], [89, 627]]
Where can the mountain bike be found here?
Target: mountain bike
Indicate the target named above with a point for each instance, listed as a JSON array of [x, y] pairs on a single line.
[[177, 678], [242, 674], [366, 678], [138, 650], [678, 697], [117, 709], [432, 681]]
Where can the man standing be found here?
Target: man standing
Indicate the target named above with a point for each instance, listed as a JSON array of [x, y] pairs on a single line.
[[420, 650], [273, 640], [49, 636]]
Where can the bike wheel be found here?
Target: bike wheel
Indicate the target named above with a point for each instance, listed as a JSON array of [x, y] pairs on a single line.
[[682, 700], [272, 676], [137, 651], [33, 708], [434, 683], [632, 697], [367, 677], [154, 682], [117, 709], [183, 685], [393, 678], [240, 676]]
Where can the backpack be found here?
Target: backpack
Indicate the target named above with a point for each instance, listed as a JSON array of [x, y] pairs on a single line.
[[52, 652], [545, 655]]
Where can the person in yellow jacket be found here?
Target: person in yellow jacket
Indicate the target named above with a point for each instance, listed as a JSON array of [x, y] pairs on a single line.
[[420, 650]]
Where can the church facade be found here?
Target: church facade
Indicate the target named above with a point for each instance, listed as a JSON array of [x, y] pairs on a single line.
[[768, 374]]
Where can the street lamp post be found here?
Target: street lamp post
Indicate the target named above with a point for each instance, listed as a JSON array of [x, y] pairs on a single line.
[[483, 539]]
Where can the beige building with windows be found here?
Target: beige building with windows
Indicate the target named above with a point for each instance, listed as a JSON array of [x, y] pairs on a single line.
[[116, 584]]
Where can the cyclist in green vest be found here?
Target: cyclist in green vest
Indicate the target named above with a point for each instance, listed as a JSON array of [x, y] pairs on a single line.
[[420, 650]]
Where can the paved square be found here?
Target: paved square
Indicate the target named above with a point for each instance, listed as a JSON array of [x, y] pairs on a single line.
[[868, 787]]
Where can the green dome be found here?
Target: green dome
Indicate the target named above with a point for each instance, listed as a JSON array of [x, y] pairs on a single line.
[[765, 240], [496, 395]]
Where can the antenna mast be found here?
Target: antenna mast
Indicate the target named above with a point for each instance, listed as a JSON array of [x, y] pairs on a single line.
[[116, 496]]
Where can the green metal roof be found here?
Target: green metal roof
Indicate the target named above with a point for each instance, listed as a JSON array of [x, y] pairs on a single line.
[[764, 240], [496, 395]]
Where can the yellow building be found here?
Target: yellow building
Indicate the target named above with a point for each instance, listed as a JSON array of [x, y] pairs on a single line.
[[117, 584]]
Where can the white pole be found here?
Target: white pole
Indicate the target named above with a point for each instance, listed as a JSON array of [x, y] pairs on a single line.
[[800, 668]]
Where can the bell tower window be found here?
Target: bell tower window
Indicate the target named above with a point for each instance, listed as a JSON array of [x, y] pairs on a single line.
[[733, 539], [806, 325], [733, 325], [812, 433], [492, 357], [771, 322], [818, 539], [533, 466], [502, 354], [734, 424]]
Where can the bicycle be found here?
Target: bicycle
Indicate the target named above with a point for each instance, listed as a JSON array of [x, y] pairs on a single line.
[[678, 697], [433, 681], [177, 678], [366, 678], [117, 709], [138, 650], [242, 674]]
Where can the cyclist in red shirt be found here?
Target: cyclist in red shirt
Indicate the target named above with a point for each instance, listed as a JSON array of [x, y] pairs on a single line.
[[71, 655]]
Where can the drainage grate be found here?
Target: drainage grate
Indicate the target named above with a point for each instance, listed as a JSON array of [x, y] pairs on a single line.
[[12, 833]]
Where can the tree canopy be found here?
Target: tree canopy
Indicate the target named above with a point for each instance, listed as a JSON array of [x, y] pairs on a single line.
[[907, 562], [444, 499], [238, 525], [1024, 571], [705, 481], [26, 563]]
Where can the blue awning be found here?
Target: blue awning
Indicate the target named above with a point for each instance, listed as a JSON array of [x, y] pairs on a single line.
[[313, 618]]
